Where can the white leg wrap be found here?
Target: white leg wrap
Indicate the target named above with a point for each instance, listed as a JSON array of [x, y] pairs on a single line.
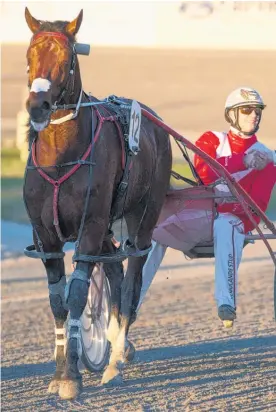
[[228, 245], [60, 341]]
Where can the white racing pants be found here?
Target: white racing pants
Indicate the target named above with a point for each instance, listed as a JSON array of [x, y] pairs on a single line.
[[228, 245]]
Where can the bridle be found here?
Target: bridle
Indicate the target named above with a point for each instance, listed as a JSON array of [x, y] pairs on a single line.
[[70, 81]]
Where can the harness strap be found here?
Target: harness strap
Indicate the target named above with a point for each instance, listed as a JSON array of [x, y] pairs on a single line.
[[31, 252], [121, 254], [58, 183], [121, 191], [80, 161], [122, 188], [89, 180]]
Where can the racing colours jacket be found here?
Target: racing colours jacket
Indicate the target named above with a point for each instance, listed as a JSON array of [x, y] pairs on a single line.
[[229, 150]]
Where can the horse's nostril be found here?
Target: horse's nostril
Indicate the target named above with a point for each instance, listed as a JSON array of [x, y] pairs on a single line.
[[41, 112], [45, 106], [36, 113]]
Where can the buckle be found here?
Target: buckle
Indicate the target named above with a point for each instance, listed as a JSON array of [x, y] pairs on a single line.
[[122, 186]]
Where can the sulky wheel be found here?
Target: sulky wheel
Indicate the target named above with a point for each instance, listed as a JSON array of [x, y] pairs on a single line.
[[94, 320]]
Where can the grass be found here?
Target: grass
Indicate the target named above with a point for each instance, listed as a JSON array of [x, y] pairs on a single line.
[[12, 205], [12, 172], [11, 165], [12, 168]]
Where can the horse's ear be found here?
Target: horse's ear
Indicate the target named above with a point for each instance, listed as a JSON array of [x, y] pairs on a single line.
[[73, 27], [33, 24]]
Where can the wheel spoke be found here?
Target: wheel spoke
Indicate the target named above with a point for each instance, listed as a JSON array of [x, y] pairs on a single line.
[[94, 329]]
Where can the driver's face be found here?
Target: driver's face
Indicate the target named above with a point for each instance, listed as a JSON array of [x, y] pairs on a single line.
[[248, 118]]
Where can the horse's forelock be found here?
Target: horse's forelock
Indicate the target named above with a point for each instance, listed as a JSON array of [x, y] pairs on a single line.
[[56, 26]]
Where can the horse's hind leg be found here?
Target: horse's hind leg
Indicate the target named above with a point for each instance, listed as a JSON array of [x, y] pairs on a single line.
[[113, 373], [115, 275], [56, 284], [140, 222], [130, 293]]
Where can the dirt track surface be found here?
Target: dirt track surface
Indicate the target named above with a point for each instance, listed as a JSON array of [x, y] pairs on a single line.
[[185, 360]]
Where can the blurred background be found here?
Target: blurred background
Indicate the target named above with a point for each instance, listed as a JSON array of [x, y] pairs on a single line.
[[180, 58]]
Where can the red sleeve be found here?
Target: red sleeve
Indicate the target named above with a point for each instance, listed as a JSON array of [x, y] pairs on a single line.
[[209, 143]]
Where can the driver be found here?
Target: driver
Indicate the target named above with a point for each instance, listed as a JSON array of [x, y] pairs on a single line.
[[249, 162]]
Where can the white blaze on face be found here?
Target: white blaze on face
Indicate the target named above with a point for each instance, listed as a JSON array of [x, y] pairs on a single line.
[[40, 85]]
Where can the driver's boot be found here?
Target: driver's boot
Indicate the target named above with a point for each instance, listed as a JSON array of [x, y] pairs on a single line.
[[227, 314]]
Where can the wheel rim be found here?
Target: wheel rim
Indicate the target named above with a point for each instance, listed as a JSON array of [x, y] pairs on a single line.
[[94, 328]]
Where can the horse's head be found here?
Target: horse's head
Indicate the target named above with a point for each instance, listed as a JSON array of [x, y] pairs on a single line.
[[51, 60]]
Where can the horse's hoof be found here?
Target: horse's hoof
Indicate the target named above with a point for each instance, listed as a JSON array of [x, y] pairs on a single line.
[[54, 386], [228, 323], [112, 376], [130, 352], [69, 389]]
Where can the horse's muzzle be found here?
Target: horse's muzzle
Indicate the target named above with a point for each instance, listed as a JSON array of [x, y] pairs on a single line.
[[39, 109]]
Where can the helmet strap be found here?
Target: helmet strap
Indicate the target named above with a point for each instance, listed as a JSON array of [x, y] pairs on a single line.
[[235, 123]]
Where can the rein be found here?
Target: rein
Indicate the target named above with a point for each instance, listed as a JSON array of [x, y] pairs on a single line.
[[58, 183], [77, 164], [66, 88], [126, 249], [56, 106]]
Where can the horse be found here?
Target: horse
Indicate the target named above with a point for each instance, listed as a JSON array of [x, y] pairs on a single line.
[[73, 190]]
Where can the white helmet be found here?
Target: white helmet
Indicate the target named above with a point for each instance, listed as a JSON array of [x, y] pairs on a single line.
[[243, 96]]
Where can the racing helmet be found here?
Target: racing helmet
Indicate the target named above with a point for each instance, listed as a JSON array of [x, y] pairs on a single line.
[[243, 96]]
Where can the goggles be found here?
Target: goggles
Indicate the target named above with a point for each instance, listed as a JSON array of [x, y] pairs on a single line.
[[249, 109]]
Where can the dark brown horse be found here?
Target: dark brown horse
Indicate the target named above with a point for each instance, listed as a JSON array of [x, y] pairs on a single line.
[[61, 168]]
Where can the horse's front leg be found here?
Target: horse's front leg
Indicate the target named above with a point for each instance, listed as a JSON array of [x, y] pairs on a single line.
[[76, 298], [130, 293], [56, 284]]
